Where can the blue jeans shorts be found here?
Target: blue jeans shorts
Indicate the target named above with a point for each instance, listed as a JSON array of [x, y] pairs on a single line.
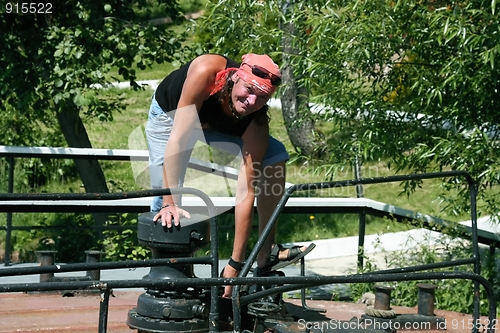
[[158, 129]]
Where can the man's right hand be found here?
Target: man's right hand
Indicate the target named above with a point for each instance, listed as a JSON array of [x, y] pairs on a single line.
[[170, 214]]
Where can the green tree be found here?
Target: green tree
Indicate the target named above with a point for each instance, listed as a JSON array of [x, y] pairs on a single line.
[[276, 28], [57, 55], [413, 82]]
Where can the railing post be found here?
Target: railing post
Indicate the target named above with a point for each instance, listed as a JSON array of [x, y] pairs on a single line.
[[8, 227], [93, 257], [46, 258], [362, 215]]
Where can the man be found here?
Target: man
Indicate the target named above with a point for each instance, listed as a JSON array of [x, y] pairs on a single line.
[[218, 101]]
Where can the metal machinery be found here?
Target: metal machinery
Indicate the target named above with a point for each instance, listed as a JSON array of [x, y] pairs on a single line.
[[186, 309], [178, 309]]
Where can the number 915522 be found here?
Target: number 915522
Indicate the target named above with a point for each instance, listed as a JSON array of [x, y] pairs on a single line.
[[28, 8]]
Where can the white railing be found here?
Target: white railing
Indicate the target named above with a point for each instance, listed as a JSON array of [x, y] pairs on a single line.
[[310, 205]]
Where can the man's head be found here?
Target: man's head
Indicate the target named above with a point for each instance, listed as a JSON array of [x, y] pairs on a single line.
[[249, 86], [260, 71], [255, 81]]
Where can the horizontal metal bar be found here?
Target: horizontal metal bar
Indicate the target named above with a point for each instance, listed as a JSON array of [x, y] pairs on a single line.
[[379, 180], [206, 260], [416, 268], [293, 281]]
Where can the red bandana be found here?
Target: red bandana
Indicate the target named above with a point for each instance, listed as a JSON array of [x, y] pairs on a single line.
[[245, 72]]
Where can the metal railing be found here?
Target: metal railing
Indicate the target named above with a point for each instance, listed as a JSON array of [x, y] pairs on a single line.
[[475, 259], [13, 152], [286, 283], [299, 205], [289, 283]]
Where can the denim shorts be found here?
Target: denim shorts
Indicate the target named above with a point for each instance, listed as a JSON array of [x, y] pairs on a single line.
[[158, 129]]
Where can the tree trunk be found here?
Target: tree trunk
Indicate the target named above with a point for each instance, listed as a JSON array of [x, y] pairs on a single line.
[[296, 113], [295, 98], [90, 171]]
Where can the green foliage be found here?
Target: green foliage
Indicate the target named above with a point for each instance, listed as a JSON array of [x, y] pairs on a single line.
[[18, 130], [69, 234], [55, 64], [53, 61], [121, 244], [189, 6], [440, 82], [410, 83], [251, 28], [443, 249]]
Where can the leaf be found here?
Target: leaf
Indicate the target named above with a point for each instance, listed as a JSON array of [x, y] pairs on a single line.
[[446, 26]]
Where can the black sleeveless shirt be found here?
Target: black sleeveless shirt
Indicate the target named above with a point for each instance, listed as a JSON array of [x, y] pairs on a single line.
[[211, 114]]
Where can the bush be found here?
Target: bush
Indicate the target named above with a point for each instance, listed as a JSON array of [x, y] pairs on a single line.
[[122, 244], [70, 234], [442, 249]]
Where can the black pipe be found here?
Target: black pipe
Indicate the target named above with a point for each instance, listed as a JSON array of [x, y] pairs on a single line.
[[206, 260], [362, 215], [8, 226], [416, 268], [103, 309]]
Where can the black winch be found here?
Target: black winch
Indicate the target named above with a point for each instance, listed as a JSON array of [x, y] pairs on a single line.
[[176, 309]]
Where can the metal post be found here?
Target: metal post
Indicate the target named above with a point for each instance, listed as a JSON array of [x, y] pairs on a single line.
[[426, 299], [94, 256], [491, 262], [46, 258], [362, 215], [104, 309], [382, 298], [8, 227]]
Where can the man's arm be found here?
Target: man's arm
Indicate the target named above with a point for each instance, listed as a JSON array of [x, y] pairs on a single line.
[[197, 87]]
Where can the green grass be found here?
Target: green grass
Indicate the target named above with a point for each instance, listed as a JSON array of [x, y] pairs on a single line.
[[156, 72]]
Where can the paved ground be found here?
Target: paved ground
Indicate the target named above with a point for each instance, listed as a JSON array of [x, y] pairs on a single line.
[[38, 312]]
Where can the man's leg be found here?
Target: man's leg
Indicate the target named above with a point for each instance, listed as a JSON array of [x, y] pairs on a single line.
[[271, 189]]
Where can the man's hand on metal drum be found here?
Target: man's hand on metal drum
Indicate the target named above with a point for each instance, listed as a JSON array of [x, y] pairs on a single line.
[[171, 215]]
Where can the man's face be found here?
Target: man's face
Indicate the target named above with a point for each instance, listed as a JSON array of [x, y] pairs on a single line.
[[247, 98]]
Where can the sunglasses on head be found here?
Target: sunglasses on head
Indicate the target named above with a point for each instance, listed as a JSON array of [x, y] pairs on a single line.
[[265, 74]]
